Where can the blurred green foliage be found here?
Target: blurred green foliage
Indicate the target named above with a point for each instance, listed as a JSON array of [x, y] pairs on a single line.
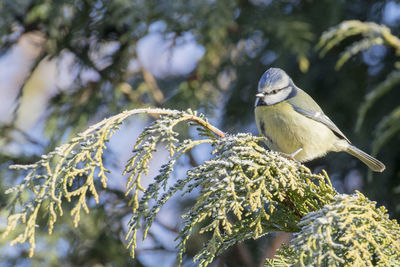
[[241, 39]]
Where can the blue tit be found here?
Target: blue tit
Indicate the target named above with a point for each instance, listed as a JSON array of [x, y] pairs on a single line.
[[294, 124]]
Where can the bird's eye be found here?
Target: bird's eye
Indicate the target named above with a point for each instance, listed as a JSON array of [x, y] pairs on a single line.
[[277, 90]]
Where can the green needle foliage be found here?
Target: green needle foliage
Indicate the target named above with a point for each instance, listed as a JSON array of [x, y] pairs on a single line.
[[350, 231], [372, 34], [246, 192]]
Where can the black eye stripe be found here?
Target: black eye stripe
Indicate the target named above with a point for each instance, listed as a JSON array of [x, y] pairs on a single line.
[[276, 90]]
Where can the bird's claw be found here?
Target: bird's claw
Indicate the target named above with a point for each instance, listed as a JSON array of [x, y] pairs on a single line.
[[291, 156]]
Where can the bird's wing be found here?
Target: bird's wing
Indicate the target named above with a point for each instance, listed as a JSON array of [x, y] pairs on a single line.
[[309, 108]]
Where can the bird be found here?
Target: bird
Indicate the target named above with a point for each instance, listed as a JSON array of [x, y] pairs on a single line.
[[295, 125]]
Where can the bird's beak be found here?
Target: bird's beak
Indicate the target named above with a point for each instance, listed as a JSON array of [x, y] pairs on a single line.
[[260, 95]]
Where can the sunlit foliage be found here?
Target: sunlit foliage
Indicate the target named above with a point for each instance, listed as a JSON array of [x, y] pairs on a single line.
[[245, 192]]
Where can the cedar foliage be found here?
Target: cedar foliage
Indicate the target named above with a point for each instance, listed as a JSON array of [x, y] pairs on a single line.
[[245, 192]]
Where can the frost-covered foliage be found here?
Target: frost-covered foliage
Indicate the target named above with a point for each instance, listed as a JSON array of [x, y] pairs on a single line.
[[246, 191], [372, 34], [57, 176], [350, 231]]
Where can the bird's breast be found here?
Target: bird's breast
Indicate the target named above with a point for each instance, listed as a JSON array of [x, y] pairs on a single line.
[[287, 131]]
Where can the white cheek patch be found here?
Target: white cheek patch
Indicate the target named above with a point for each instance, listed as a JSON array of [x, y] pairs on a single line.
[[278, 97]]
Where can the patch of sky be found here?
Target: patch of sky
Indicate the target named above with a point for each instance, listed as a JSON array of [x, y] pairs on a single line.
[[167, 54], [391, 13]]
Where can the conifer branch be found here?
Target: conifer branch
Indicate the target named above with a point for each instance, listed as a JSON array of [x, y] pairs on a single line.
[[246, 192], [54, 177], [350, 231]]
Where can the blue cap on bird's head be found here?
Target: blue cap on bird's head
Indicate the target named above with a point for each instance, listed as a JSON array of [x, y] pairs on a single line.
[[273, 78]]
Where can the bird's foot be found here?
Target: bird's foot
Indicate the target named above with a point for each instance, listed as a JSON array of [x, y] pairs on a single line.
[[291, 156]]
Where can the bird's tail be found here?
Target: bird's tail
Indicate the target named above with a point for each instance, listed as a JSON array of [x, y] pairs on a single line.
[[370, 161]]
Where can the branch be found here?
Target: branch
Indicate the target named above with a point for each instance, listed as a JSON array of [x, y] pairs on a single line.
[[246, 191], [148, 77], [52, 179], [350, 231], [156, 111]]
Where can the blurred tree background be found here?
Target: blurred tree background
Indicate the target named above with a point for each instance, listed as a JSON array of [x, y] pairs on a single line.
[[67, 64]]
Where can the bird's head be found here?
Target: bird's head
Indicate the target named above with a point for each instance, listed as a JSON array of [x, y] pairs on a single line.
[[274, 87]]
